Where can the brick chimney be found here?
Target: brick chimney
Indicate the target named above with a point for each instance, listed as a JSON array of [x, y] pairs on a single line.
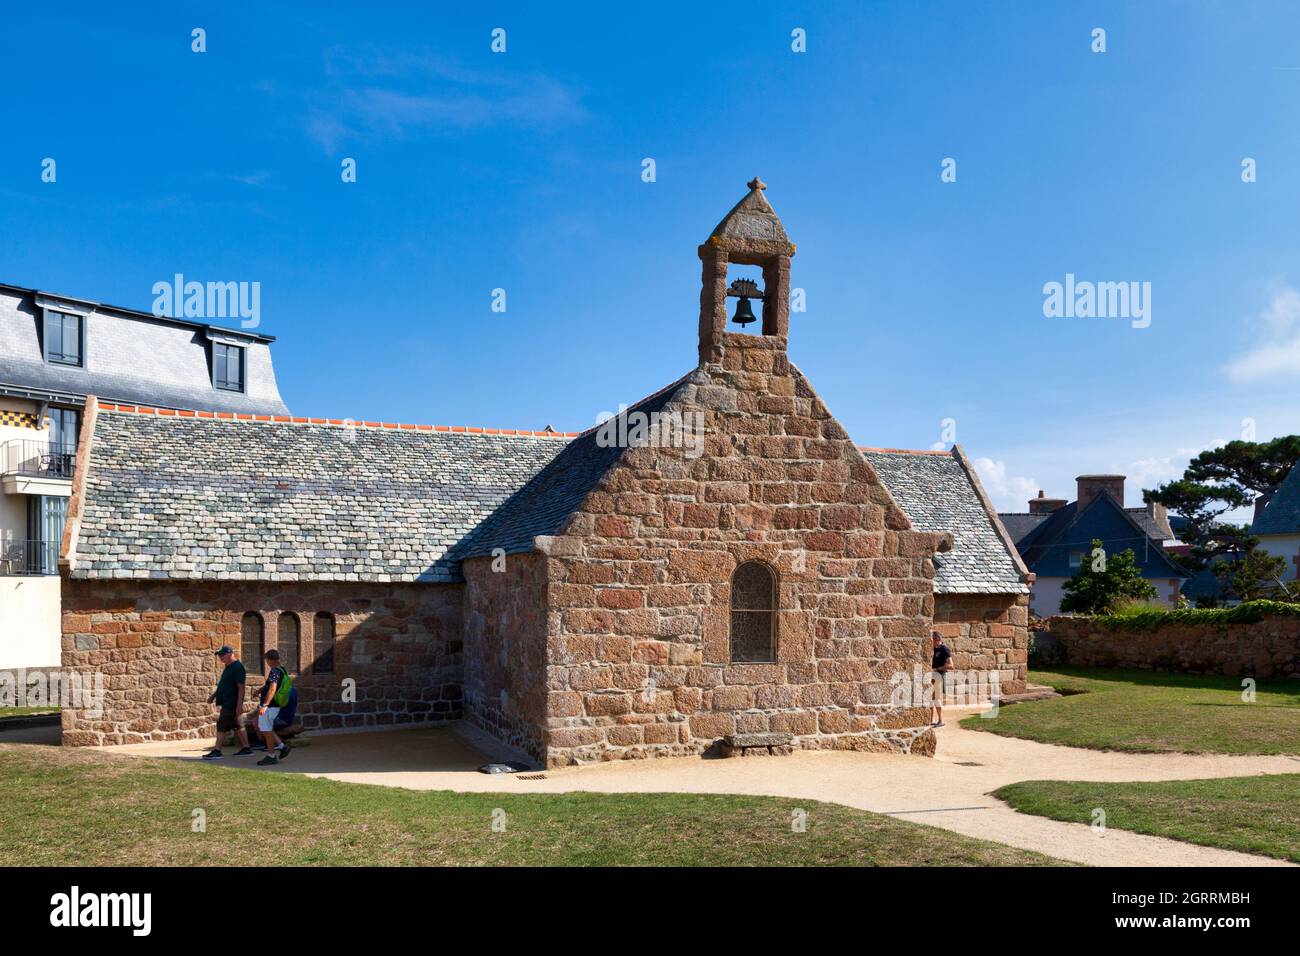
[[751, 235], [1092, 485], [1043, 505]]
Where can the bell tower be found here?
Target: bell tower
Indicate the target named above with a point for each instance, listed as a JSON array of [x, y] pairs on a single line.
[[750, 235]]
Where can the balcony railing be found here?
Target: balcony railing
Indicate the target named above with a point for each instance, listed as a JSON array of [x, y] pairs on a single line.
[[33, 458], [29, 557]]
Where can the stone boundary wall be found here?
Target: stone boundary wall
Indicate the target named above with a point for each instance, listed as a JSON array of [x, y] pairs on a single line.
[[1267, 649]]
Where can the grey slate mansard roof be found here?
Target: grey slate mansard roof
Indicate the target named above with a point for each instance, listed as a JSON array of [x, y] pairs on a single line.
[[131, 357], [1282, 513], [177, 498], [940, 492]]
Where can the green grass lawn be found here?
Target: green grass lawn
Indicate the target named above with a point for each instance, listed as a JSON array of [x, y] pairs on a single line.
[[78, 808], [26, 711], [1251, 814], [1150, 712]]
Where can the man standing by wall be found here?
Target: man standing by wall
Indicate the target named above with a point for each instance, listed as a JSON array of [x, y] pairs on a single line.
[[229, 696], [940, 664]]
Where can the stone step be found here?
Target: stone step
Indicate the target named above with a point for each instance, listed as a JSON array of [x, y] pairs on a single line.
[[1032, 692], [746, 745]]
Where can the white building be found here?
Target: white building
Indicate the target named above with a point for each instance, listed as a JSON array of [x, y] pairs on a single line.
[[54, 351], [1278, 525]]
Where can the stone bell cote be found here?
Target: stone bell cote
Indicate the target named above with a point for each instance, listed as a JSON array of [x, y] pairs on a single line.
[[750, 235]]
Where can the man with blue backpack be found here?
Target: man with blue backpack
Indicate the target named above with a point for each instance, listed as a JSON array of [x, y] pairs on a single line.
[[274, 695]]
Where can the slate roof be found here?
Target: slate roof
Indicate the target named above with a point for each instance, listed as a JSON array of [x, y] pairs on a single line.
[[172, 497], [1159, 530], [1282, 513], [183, 496], [938, 492], [1021, 525], [542, 505], [1047, 545]]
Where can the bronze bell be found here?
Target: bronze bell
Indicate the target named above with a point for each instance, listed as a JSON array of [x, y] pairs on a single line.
[[744, 314]]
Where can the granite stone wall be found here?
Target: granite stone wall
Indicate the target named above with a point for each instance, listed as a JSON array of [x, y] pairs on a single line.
[[505, 688], [987, 632], [1267, 649], [154, 643], [640, 582]]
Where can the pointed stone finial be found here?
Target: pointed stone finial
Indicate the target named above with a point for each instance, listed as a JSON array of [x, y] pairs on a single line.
[[756, 183]]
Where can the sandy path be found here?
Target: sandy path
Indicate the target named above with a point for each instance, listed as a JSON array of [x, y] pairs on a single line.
[[949, 791]]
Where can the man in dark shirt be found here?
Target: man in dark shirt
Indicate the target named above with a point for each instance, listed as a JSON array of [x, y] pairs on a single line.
[[940, 664], [229, 696]]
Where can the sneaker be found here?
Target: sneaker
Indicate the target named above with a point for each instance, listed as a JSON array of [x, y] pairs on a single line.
[[213, 754], [939, 724], [283, 751], [261, 747], [247, 751], [267, 761]]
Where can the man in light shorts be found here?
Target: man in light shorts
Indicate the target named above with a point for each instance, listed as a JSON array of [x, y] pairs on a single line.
[[940, 664], [266, 711]]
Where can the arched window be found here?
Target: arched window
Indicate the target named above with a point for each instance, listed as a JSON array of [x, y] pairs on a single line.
[[753, 613], [322, 644], [251, 641], [290, 632]]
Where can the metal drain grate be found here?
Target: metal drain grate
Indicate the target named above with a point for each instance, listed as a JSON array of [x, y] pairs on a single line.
[[531, 776], [968, 763]]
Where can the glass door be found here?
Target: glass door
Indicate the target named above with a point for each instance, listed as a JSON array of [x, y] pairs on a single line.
[[63, 441], [45, 519]]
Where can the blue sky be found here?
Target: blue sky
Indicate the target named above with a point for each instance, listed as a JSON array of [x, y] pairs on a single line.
[[522, 171]]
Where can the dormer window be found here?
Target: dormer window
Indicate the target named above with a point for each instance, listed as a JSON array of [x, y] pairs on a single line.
[[65, 338], [228, 367]]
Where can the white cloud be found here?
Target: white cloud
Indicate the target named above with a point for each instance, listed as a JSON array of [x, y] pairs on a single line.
[[378, 93], [1009, 492], [1149, 472], [1277, 352]]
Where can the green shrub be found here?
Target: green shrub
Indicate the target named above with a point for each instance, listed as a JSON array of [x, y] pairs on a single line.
[[1136, 617]]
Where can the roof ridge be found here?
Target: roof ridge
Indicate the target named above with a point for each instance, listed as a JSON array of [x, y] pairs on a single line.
[[906, 451], [345, 422], [634, 405]]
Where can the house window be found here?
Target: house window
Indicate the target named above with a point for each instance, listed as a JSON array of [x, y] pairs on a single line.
[[228, 367], [251, 642], [753, 613], [1076, 559], [64, 338], [287, 645], [323, 644]]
